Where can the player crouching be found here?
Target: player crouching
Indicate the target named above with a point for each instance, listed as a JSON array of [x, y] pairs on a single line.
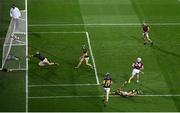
[[43, 61], [106, 85], [84, 57], [137, 67]]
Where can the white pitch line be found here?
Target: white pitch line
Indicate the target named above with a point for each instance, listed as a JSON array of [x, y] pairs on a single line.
[[105, 24], [59, 85], [73, 32], [51, 97], [92, 56], [165, 95], [100, 96]]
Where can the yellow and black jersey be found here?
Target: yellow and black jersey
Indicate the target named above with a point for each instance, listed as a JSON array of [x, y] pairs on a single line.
[[85, 53], [107, 82], [39, 56]]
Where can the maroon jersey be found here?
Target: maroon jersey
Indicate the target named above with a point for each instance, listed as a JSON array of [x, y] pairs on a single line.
[[137, 65], [145, 28]]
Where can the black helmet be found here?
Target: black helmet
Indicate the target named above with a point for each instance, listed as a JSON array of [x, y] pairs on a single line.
[[107, 75]]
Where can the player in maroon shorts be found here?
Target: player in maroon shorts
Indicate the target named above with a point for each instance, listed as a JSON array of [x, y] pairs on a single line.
[[146, 30]]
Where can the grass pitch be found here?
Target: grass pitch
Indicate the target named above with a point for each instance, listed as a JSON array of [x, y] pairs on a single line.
[[114, 29]]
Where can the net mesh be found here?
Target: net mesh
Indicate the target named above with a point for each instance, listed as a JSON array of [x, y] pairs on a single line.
[[14, 48]]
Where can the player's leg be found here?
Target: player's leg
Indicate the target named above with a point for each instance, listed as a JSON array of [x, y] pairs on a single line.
[[132, 76], [149, 40], [80, 62], [106, 96], [129, 81], [137, 77], [87, 63], [41, 64], [45, 61], [132, 93], [145, 39]]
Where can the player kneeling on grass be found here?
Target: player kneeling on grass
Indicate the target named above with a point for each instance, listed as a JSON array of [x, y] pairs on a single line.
[[137, 67], [106, 85], [84, 57], [43, 60]]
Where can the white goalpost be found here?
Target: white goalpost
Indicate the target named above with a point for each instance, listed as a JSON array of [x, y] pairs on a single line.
[[14, 48]]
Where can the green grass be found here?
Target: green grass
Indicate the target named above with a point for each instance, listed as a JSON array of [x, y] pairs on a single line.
[[115, 47], [12, 95]]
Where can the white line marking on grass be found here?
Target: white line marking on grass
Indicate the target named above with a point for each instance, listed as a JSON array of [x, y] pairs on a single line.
[[73, 32], [59, 85], [99, 96], [165, 95], [104, 24], [92, 56], [51, 97]]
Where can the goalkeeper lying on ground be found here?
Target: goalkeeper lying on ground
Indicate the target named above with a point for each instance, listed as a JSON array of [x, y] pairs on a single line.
[[43, 60], [122, 93]]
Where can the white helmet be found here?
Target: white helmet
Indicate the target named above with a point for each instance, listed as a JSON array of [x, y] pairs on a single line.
[[144, 23], [139, 59]]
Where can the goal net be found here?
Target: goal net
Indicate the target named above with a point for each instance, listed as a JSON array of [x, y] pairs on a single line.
[[14, 48]]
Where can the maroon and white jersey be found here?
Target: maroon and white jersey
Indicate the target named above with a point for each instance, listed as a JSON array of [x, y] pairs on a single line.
[[137, 65], [145, 28]]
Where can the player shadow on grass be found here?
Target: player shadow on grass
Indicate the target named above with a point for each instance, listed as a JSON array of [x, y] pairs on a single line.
[[165, 51], [34, 34], [139, 40], [157, 48]]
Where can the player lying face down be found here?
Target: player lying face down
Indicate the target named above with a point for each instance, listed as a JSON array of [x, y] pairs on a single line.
[[43, 61]]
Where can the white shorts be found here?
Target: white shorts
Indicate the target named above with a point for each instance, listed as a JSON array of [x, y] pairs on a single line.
[[107, 90], [44, 62], [146, 34], [135, 72], [125, 93], [86, 59]]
